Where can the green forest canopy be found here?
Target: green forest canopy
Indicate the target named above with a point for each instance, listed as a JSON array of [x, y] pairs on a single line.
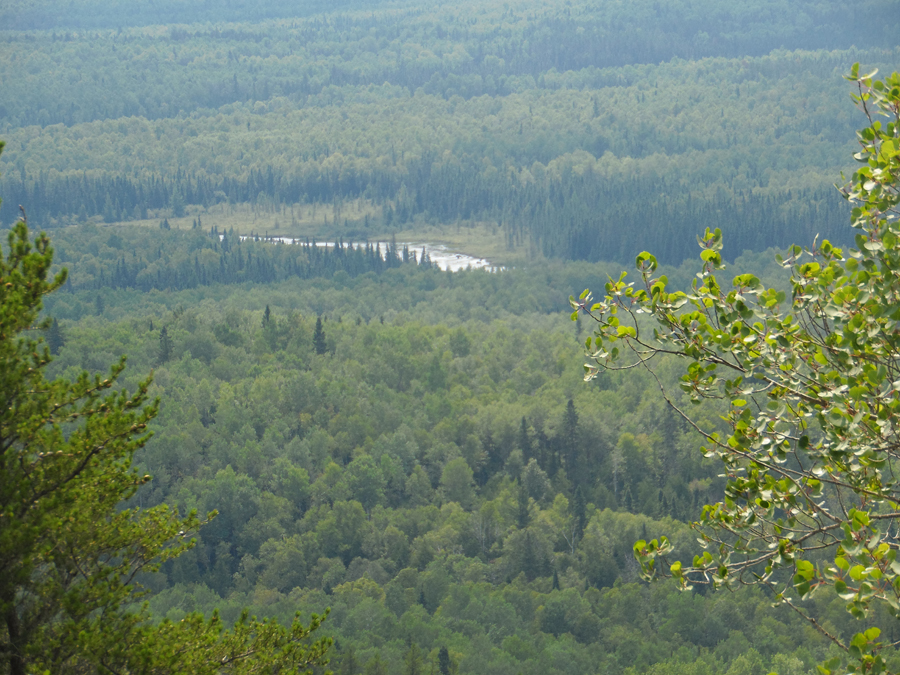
[[440, 476], [425, 477], [569, 128]]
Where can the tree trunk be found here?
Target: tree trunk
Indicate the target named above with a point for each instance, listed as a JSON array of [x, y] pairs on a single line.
[[13, 629]]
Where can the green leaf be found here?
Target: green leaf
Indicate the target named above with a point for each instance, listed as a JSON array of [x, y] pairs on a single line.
[[805, 569], [646, 261], [872, 633], [858, 572]]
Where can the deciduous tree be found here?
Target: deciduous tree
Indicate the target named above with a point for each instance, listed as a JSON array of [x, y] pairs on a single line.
[[810, 388]]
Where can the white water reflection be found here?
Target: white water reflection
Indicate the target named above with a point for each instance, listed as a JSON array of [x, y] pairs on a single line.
[[440, 255], [446, 259]]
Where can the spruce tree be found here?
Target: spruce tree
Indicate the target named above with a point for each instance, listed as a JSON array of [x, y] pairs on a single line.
[[522, 515], [444, 663], [165, 345], [569, 438], [530, 563], [525, 444], [319, 337], [579, 511], [55, 339]]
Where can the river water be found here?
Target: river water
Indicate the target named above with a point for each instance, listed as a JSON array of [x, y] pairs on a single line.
[[442, 256]]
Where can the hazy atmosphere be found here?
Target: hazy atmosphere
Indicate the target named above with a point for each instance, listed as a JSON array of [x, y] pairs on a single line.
[[342, 237]]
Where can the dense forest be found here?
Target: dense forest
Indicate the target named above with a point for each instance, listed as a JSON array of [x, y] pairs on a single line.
[[569, 129], [416, 449]]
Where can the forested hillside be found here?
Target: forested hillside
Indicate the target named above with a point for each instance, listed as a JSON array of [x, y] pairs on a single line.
[[574, 131], [430, 466], [417, 449]]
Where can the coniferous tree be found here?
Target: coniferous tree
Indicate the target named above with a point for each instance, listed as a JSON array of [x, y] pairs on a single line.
[[542, 450], [522, 515], [493, 454], [68, 551], [530, 563], [444, 663], [319, 337], [525, 441], [177, 202], [109, 210], [553, 458], [569, 438], [55, 339], [579, 511], [165, 345]]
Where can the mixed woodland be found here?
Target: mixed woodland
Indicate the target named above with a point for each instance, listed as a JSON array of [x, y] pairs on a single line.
[[417, 450], [570, 129], [413, 448]]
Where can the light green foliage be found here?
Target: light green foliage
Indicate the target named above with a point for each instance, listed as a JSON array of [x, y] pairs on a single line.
[[414, 462], [205, 647], [457, 483], [287, 445], [366, 481], [69, 554], [810, 388]]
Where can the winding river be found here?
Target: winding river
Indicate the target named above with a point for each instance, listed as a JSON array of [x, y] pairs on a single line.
[[440, 255]]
